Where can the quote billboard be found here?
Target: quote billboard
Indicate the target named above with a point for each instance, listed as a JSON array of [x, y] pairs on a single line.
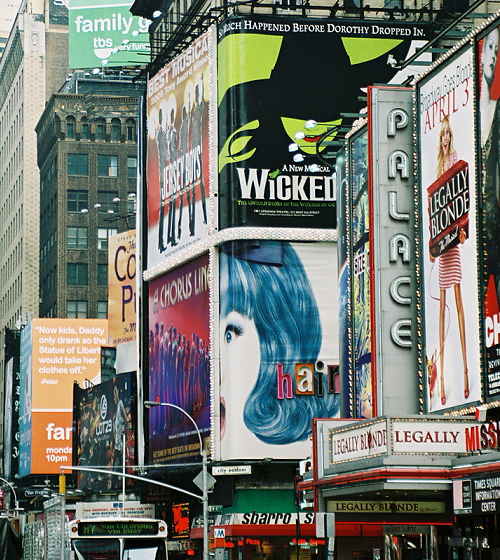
[[104, 423], [62, 352], [106, 35], [179, 362], [447, 171], [179, 122], [122, 316], [282, 84], [278, 346]]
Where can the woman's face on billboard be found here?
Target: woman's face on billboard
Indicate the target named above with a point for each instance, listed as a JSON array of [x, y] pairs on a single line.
[[240, 364]]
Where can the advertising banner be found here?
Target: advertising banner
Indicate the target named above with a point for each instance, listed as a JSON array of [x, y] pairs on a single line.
[[180, 122], [179, 362], [106, 35], [122, 317], [489, 93], [25, 423], [445, 112], [360, 276], [62, 352], [12, 403], [283, 83], [278, 346], [105, 431]]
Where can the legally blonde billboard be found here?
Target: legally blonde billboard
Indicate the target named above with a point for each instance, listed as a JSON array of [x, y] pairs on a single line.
[[178, 160], [449, 239], [179, 362], [282, 84], [278, 346]]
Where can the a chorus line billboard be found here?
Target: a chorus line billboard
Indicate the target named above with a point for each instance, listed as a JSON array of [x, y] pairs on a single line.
[[106, 35], [278, 346], [179, 125], [282, 83], [445, 112], [179, 362]]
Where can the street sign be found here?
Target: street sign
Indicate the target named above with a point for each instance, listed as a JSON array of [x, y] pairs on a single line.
[[198, 480]]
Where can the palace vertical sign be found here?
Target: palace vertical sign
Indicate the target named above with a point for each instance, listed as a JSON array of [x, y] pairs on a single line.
[[392, 230]]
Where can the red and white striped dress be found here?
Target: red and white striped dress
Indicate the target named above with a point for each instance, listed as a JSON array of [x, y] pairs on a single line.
[[450, 265]]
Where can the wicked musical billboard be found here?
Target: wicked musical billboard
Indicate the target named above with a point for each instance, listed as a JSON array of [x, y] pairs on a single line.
[[282, 84], [445, 112], [179, 122], [179, 364]]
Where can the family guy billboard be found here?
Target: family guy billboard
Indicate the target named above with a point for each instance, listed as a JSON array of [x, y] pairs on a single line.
[[447, 171], [179, 364], [282, 84], [179, 126]]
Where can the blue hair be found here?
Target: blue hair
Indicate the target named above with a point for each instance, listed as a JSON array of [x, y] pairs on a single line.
[[280, 301]]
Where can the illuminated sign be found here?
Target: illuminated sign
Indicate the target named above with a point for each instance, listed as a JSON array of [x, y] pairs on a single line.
[[117, 528]]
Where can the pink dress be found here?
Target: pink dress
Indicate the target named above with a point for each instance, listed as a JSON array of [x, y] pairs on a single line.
[[450, 265]]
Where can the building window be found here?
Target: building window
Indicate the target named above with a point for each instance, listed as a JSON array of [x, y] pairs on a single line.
[[115, 130], [100, 129], [76, 309], [70, 127], [107, 202], [131, 203], [102, 309], [78, 201], [77, 274], [107, 166], [77, 238], [85, 129], [103, 235], [102, 274], [78, 165], [131, 167], [131, 137]]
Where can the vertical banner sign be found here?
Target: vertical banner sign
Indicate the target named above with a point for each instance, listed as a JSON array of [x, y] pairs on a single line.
[[360, 274], [25, 422], [122, 317], [392, 231], [277, 346], [179, 362], [282, 84], [489, 92], [106, 34], [445, 112], [103, 416], [180, 121]]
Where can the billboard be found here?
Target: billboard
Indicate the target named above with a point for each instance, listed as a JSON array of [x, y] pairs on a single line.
[[364, 385], [278, 346], [106, 35], [445, 113], [12, 402], [282, 84], [104, 421], [179, 362], [180, 123], [489, 92], [59, 353], [122, 317]]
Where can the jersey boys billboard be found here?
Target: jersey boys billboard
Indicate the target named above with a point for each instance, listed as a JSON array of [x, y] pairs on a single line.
[[282, 83], [178, 162]]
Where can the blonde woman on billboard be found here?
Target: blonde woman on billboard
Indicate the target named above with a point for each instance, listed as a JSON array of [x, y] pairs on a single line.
[[450, 266]]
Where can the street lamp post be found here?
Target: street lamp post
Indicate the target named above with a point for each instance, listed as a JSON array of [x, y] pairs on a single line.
[[203, 453], [16, 503]]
